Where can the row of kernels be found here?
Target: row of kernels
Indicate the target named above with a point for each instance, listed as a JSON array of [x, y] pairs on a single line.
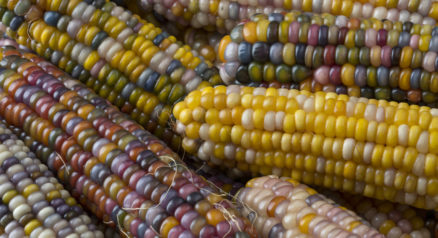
[[347, 149], [328, 55], [321, 35], [291, 101], [403, 179]]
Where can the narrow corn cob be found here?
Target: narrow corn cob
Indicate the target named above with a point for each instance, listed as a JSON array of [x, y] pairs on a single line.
[[285, 208], [376, 148], [144, 101]]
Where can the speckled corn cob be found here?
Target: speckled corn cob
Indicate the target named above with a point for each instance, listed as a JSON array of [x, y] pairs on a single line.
[[380, 63], [286, 208]]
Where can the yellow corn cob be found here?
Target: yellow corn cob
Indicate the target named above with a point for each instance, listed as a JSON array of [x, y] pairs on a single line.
[[380, 149]]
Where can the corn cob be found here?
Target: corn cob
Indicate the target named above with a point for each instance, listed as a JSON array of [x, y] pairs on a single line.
[[380, 149], [286, 208], [139, 31], [379, 62]]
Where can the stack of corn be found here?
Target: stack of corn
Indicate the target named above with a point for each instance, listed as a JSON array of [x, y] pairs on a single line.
[[134, 182], [90, 177]]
